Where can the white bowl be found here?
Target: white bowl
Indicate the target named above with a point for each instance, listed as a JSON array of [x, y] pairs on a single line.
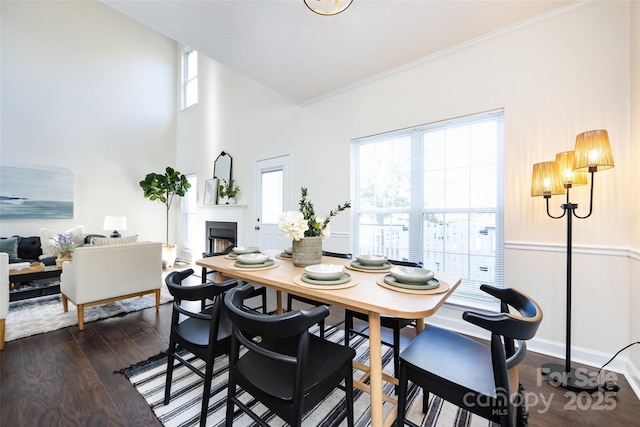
[[411, 274], [288, 250], [372, 260], [242, 250], [324, 271], [253, 258]]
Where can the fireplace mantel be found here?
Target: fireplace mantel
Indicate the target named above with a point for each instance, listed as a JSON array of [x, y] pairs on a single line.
[[228, 213]]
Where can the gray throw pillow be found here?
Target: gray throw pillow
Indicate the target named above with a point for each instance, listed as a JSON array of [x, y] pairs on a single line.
[[10, 246]]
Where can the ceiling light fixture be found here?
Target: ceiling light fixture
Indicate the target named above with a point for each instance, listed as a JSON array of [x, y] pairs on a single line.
[[328, 7]]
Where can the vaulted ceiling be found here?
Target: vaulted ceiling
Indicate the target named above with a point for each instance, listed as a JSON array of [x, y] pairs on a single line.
[[305, 56]]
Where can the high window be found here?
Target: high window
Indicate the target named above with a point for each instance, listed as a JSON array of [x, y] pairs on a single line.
[[434, 194], [189, 78]]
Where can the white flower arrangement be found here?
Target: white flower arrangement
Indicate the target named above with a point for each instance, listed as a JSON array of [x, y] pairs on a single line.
[[293, 224], [298, 224]]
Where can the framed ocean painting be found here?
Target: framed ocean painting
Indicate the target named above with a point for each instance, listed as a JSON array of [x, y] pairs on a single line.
[[35, 193]]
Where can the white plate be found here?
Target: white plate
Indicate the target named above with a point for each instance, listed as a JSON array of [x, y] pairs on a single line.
[[343, 278], [267, 263]]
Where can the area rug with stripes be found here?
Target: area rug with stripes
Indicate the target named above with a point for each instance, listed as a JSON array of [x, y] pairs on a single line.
[[148, 378]]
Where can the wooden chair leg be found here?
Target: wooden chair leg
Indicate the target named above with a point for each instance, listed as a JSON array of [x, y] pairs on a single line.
[[81, 316], [65, 304], [1, 334], [157, 299]]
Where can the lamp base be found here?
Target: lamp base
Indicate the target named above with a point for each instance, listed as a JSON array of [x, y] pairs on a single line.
[[577, 380], [115, 234]]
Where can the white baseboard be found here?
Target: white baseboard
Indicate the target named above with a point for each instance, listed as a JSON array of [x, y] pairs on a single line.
[[633, 376]]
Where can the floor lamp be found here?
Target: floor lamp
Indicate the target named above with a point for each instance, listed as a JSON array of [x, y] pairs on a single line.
[[592, 153]]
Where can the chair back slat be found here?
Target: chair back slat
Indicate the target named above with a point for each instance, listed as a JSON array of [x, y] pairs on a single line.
[[403, 263], [337, 255]]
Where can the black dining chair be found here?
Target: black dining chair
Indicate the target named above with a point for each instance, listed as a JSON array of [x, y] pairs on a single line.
[[481, 378], [258, 291], [206, 334], [311, 302], [389, 322], [287, 369]]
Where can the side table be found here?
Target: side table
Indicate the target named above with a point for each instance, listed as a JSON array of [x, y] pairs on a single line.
[[19, 290]]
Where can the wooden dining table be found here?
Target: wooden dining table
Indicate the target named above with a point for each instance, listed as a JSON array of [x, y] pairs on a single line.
[[364, 293]]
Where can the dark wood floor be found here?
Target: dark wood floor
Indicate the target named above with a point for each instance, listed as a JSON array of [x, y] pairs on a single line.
[[66, 378]]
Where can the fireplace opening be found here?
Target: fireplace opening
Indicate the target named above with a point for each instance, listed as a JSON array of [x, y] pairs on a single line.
[[221, 236]]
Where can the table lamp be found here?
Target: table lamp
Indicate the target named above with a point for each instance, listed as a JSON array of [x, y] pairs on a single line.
[[115, 223]]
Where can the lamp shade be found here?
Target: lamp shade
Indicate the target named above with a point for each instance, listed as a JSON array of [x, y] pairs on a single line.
[[328, 7], [593, 151], [569, 177], [115, 223], [546, 180]]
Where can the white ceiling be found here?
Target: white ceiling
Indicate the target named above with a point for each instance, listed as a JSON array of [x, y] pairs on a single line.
[[304, 56]]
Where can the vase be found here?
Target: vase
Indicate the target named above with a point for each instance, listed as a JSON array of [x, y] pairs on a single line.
[[62, 258], [307, 251]]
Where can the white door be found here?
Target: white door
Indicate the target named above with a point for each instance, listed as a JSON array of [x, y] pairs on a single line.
[[273, 196]]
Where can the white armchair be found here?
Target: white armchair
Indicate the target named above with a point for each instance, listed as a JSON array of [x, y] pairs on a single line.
[[102, 274], [4, 293]]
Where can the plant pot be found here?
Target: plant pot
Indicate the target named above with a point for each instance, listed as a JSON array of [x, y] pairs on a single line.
[[169, 255], [231, 201], [62, 258], [307, 251]]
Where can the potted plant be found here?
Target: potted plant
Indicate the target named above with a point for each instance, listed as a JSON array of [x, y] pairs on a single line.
[[163, 188], [307, 231], [229, 190], [65, 244]]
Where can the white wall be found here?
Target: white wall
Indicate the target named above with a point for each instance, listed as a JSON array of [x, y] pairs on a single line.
[[85, 88], [555, 78]]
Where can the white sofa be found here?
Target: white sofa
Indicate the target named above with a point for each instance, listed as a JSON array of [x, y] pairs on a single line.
[[102, 274], [4, 293]]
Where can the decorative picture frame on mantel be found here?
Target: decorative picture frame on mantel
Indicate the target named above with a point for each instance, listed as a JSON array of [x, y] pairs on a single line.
[[211, 191]]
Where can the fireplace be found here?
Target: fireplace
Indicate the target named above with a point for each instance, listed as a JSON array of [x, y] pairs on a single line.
[[221, 236]]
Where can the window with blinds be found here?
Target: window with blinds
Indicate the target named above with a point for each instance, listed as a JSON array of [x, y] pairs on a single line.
[[434, 194]]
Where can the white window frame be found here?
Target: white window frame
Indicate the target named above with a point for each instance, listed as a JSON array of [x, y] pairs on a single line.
[[468, 293], [189, 78], [189, 210]]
